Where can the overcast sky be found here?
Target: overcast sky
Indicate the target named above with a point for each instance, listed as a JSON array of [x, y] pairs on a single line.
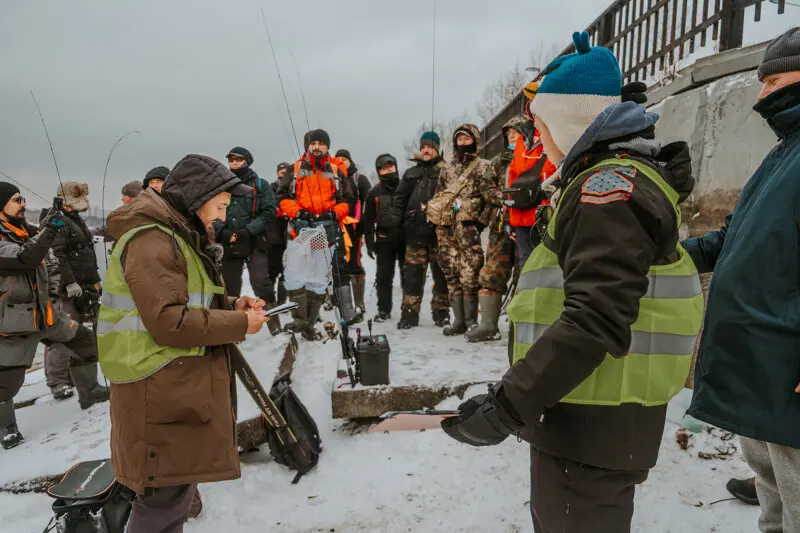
[[196, 76]]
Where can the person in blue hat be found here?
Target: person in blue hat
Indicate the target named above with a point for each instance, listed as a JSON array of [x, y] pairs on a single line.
[[607, 308]]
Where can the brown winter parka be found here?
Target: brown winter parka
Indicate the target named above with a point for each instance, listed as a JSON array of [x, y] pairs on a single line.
[[177, 426]]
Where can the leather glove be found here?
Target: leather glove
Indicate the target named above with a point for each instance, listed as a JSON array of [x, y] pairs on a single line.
[[241, 234], [305, 214], [330, 215], [369, 240], [74, 290], [480, 227], [56, 220], [636, 91], [225, 236], [485, 420]]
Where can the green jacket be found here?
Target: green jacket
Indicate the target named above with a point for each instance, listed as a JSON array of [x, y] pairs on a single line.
[[246, 212]]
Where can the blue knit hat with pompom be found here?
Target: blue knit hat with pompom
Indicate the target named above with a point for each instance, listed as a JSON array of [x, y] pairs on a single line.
[[575, 89]]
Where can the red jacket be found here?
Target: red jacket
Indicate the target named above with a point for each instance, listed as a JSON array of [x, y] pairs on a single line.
[[525, 160]]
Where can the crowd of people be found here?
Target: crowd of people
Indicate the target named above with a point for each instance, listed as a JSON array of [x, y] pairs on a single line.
[[582, 208]]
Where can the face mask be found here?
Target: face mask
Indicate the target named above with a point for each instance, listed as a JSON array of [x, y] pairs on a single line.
[[466, 151], [241, 172], [510, 146], [390, 179]]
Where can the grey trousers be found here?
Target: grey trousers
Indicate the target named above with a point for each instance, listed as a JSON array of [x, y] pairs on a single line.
[[56, 362], [161, 510], [777, 471], [11, 381]]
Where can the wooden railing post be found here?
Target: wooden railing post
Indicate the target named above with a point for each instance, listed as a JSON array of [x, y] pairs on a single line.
[[732, 31]]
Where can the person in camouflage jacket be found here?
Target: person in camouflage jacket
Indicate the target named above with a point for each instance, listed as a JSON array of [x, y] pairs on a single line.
[[461, 210], [499, 264]]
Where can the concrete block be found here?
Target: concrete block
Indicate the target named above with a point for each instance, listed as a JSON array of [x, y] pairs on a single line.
[[726, 63]]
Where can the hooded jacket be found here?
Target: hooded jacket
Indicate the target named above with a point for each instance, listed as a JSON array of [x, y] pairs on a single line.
[[410, 198], [528, 153], [378, 219], [605, 249], [748, 364], [361, 186], [74, 249], [178, 425], [476, 205], [323, 188]]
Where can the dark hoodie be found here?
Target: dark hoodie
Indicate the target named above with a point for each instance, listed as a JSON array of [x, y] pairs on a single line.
[[378, 219], [605, 251], [415, 190]]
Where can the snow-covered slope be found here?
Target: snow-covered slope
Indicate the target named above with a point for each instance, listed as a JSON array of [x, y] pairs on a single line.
[[389, 483]]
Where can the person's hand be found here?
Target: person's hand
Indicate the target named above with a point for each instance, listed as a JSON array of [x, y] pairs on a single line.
[[483, 421], [245, 303], [480, 227], [635, 91], [56, 220], [225, 236], [98, 287], [371, 252], [797, 389], [305, 214], [74, 290], [241, 234], [255, 320]]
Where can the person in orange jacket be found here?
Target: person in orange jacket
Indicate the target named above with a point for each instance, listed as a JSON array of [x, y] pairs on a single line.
[[526, 172], [314, 192]]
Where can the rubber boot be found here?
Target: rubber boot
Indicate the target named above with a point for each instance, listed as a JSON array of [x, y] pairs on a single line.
[[458, 327], [313, 305], [89, 390], [299, 321], [471, 310], [344, 298], [62, 392], [408, 320], [10, 436], [490, 314], [743, 490], [359, 286], [281, 292]]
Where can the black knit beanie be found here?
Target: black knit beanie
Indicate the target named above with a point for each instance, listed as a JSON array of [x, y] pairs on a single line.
[[782, 55], [345, 154], [317, 135], [7, 190]]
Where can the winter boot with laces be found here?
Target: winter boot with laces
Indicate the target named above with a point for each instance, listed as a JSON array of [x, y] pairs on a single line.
[[490, 314], [89, 390], [62, 392], [9, 432], [408, 320], [441, 317], [743, 490], [383, 316], [458, 327]]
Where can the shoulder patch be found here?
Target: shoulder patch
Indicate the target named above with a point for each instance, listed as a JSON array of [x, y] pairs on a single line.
[[608, 184]]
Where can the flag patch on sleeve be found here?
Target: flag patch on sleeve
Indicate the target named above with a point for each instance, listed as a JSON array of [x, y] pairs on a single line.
[[608, 184]]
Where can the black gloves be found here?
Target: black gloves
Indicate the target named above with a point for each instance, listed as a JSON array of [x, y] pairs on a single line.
[[636, 91], [369, 240], [329, 215], [485, 420], [241, 234], [225, 236], [305, 214]]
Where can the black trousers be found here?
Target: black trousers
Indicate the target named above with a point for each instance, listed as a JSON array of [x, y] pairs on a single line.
[[570, 497], [275, 261], [257, 267], [387, 256], [354, 264]]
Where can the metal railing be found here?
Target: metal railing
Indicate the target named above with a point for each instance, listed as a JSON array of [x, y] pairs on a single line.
[[650, 38]]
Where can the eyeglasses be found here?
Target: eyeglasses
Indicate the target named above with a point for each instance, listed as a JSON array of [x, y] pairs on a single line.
[[19, 199]]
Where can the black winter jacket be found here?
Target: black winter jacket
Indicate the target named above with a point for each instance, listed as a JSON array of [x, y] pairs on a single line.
[[416, 189], [254, 212], [377, 219], [361, 185], [74, 249]]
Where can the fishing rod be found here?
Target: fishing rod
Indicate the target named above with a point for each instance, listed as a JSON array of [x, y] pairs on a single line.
[[26, 188], [280, 80], [302, 93], [283, 124], [58, 202], [433, 67], [103, 193]]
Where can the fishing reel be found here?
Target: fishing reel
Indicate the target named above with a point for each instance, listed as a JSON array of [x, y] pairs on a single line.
[[331, 331]]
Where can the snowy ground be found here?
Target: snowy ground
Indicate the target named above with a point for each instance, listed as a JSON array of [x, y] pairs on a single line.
[[397, 482]]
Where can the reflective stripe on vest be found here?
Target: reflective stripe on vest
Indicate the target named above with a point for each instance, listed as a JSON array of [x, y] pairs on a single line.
[[662, 337], [126, 350]]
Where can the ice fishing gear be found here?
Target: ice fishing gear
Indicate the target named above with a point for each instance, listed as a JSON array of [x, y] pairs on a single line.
[[372, 355], [283, 308], [302, 93], [89, 499], [103, 192], [293, 437], [416, 420], [39, 196]]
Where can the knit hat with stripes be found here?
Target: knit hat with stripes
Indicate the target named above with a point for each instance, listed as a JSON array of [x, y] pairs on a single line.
[[575, 89]]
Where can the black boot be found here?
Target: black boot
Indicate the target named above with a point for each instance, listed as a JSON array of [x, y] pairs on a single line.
[[9, 432], [299, 321], [383, 316], [408, 320], [743, 490], [441, 317], [459, 326], [89, 390]]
